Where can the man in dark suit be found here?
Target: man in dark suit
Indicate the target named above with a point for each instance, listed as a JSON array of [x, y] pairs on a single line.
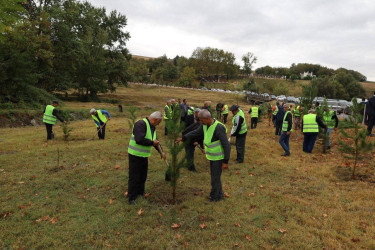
[[371, 115]]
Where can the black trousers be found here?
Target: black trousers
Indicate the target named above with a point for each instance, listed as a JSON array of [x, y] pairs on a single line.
[[189, 151], [218, 114], [216, 168], [240, 147], [225, 117], [274, 120], [279, 124], [138, 167], [371, 122], [50, 134], [254, 122], [101, 132]]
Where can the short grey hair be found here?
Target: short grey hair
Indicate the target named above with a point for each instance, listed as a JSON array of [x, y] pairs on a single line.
[[204, 113], [157, 115], [197, 110]]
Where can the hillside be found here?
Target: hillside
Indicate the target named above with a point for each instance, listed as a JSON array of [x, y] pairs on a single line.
[[71, 194]]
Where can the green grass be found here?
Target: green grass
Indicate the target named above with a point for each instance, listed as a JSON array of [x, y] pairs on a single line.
[[304, 201]]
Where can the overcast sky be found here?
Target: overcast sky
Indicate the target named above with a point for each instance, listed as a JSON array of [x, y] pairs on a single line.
[[333, 33]]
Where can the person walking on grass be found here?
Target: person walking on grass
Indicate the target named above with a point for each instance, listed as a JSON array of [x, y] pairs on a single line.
[[50, 117], [279, 117], [191, 143], [217, 148], [310, 128], [225, 113], [331, 121], [167, 115], [297, 115], [286, 130], [371, 115], [100, 121], [255, 113], [239, 130], [275, 109], [142, 140]]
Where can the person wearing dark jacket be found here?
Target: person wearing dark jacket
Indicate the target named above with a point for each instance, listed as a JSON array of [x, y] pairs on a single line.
[[239, 130], [310, 128], [370, 110], [286, 130], [190, 143], [50, 117], [217, 149], [279, 118], [140, 146]]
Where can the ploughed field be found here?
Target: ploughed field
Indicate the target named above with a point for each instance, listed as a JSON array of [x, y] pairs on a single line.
[[71, 194]]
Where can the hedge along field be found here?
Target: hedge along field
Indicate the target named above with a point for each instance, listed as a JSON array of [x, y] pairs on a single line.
[[303, 201]]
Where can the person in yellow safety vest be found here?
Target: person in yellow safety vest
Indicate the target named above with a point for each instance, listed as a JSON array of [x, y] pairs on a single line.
[[239, 130], [275, 109], [142, 140], [297, 116], [100, 121], [286, 130], [168, 109], [255, 113], [50, 117], [310, 128], [225, 113], [331, 121], [217, 149]]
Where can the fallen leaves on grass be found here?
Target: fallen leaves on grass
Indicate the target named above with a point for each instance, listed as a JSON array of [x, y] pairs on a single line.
[[217, 224], [281, 230], [111, 200], [126, 193], [237, 224], [203, 226], [261, 186], [53, 220], [226, 195], [186, 244], [355, 240], [140, 212], [251, 194], [5, 215], [161, 215], [325, 215], [117, 166], [147, 195], [213, 237], [175, 225], [177, 236], [249, 239]]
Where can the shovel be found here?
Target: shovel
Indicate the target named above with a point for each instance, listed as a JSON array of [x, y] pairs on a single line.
[[161, 154], [99, 130]]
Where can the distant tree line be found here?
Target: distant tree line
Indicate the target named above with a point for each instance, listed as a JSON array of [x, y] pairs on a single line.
[[59, 45], [295, 70], [204, 63]]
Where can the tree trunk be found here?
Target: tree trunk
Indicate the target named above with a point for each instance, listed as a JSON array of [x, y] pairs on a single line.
[[355, 163]]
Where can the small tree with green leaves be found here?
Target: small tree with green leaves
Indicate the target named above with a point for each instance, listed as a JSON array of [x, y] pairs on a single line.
[[132, 116], [323, 134], [66, 129], [174, 132], [355, 146]]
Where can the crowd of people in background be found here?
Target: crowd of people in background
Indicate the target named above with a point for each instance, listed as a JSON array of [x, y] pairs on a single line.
[[208, 133]]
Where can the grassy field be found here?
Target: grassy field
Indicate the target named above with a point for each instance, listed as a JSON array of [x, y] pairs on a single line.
[[71, 194]]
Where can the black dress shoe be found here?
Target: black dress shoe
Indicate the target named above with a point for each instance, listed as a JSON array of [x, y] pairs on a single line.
[[285, 154]]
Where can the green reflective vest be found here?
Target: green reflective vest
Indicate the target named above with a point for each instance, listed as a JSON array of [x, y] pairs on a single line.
[[285, 122], [309, 124], [296, 112], [190, 110], [254, 112], [101, 117], [169, 114], [328, 119], [225, 110], [276, 110], [214, 150], [140, 150], [243, 126], [48, 116]]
